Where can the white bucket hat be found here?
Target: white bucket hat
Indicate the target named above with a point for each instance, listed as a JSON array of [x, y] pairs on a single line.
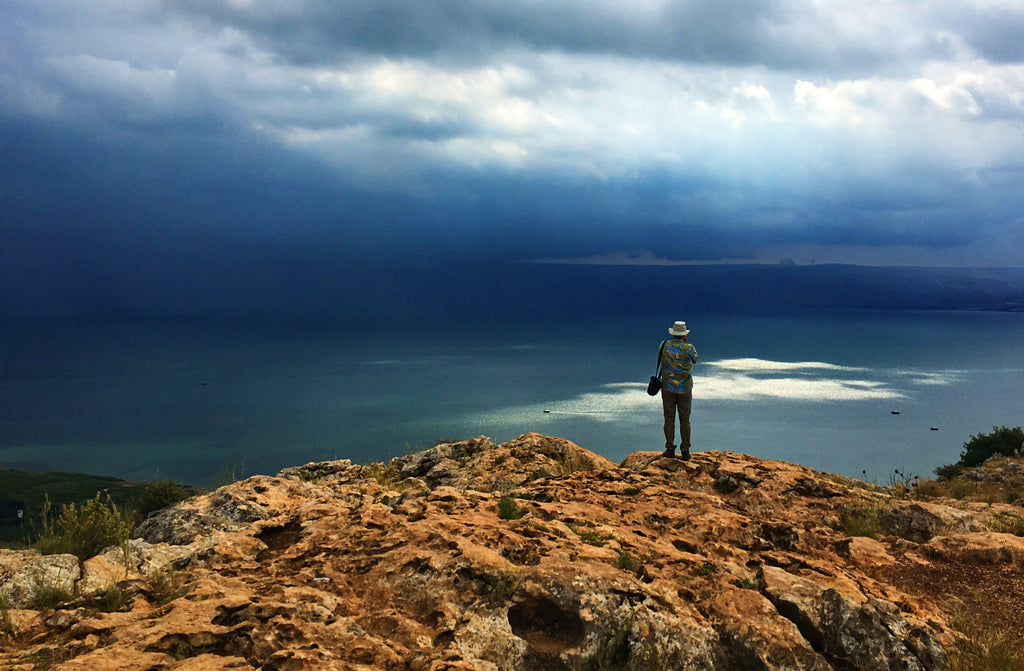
[[679, 329]]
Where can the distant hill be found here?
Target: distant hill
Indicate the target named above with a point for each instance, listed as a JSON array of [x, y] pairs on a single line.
[[538, 289], [503, 290]]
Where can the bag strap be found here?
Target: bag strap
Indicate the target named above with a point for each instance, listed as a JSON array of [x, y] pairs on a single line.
[[661, 351]]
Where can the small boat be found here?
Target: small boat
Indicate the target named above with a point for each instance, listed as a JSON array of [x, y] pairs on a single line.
[[895, 412], [935, 428]]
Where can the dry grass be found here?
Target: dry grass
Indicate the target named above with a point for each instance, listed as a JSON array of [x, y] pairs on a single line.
[[985, 646], [861, 521], [982, 602]]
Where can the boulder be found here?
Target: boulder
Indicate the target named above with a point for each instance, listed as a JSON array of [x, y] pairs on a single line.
[[921, 521], [864, 633], [981, 548], [26, 576]]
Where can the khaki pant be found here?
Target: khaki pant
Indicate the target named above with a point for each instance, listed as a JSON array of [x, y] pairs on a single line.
[[673, 403]]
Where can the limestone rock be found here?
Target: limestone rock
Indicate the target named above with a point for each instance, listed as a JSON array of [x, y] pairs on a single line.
[[982, 548], [226, 509], [534, 554], [921, 521], [859, 632], [24, 575], [342, 471]]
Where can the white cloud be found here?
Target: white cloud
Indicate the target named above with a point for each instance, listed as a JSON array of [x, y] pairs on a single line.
[[815, 381], [737, 380], [764, 366], [740, 387]]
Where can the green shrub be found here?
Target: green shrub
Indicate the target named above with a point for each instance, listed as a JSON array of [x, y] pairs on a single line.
[[627, 561], [948, 472], [85, 530], [747, 583], [706, 569], [1002, 441], [590, 536], [508, 510], [161, 494]]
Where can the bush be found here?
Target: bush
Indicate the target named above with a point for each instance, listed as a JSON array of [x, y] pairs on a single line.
[[85, 531], [948, 472], [161, 494], [962, 488], [1002, 441]]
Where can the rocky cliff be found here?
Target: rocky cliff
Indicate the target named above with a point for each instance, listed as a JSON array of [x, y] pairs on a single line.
[[534, 554]]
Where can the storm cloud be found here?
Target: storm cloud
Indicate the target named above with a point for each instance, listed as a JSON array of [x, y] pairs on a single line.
[[198, 146]]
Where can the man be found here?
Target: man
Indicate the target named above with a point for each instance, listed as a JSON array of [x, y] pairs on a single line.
[[677, 358]]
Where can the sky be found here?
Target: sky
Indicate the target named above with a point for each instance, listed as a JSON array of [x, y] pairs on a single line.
[[241, 150]]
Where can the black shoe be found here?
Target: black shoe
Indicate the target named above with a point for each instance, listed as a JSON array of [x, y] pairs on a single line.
[[669, 453], [684, 455]]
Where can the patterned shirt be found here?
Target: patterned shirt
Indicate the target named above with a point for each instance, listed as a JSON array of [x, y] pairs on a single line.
[[677, 359]]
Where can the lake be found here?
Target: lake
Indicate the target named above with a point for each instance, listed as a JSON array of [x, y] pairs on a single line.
[[203, 402]]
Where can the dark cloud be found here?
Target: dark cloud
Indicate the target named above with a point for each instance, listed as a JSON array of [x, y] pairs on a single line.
[[993, 32], [787, 34], [266, 156]]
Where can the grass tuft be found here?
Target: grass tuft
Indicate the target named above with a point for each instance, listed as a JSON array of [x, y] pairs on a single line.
[[984, 647], [627, 562], [574, 463], [385, 475], [508, 510], [1007, 524], [49, 596], [857, 521], [706, 569], [589, 535]]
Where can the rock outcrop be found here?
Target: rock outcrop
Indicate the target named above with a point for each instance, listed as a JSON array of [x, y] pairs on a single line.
[[534, 554]]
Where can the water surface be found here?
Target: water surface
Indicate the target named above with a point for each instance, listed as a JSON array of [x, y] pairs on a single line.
[[199, 402]]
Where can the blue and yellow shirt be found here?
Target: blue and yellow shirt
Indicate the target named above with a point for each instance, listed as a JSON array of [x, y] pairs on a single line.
[[677, 359]]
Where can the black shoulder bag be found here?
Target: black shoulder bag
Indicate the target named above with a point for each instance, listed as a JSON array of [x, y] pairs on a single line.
[[654, 386]]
